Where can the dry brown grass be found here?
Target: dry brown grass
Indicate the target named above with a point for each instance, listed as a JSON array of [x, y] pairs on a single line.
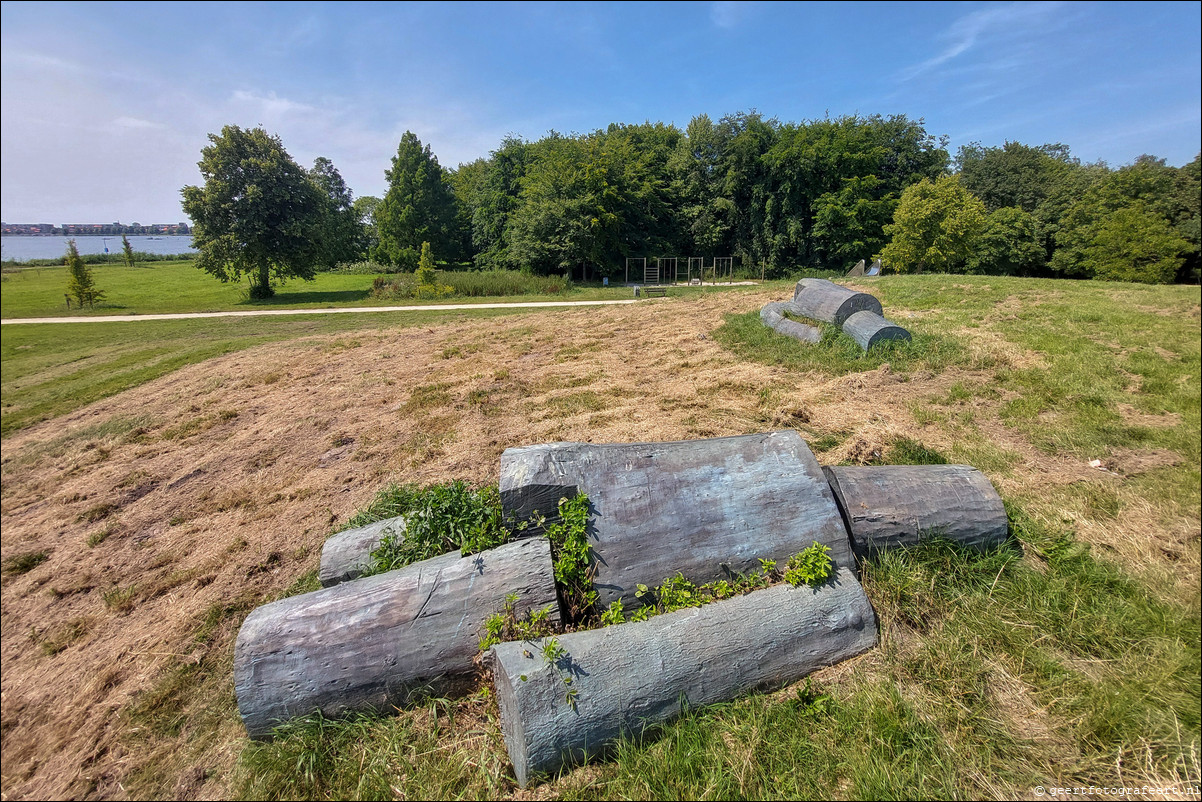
[[240, 467]]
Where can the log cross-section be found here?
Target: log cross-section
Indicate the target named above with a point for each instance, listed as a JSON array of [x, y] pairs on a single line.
[[869, 328], [626, 677], [371, 643]]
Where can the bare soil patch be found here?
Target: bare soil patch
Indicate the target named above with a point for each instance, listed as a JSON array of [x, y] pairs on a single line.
[[172, 509]]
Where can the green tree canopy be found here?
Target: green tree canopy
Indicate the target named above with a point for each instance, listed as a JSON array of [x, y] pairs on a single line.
[[341, 234], [934, 228], [127, 251], [256, 213], [418, 207], [1008, 245]]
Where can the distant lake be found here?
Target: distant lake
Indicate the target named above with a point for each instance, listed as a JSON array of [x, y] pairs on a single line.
[[22, 248]]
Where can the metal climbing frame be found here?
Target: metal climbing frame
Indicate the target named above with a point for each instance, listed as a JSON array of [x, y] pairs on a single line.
[[724, 267], [698, 263], [651, 273], [665, 267]]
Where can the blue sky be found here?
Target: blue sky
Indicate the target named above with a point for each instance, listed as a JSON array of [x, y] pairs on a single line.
[[104, 107]]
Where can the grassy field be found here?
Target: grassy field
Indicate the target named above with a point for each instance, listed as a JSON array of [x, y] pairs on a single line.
[[169, 287], [1070, 657]]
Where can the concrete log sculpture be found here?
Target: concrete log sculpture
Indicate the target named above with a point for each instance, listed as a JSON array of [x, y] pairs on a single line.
[[894, 506], [704, 508], [347, 554], [869, 328], [772, 315], [829, 302], [627, 676], [371, 643]]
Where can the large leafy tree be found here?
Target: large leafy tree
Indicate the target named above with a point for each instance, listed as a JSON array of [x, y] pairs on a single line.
[[340, 235], [418, 207], [935, 227], [1012, 175], [1008, 245], [256, 213]]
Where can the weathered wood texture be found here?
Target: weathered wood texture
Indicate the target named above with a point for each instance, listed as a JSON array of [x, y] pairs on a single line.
[[370, 643], [869, 328], [827, 301], [634, 674], [772, 316], [704, 508], [347, 554], [894, 506]]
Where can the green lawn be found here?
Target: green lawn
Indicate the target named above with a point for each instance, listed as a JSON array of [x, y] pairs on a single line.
[[51, 369], [171, 287]]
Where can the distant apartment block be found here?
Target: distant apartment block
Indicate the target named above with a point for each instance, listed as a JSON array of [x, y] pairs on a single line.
[[95, 229]]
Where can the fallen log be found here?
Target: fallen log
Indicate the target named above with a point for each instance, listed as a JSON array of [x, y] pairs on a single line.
[[373, 643], [824, 300], [704, 508], [624, 677], [893, 506], [772, 315], [347, 554], [869, 328]]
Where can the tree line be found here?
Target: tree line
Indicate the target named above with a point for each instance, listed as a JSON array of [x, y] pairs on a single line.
[[777, 196]]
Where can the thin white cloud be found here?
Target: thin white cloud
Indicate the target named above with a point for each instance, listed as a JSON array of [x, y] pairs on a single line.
[[134, 122], [966, 32]]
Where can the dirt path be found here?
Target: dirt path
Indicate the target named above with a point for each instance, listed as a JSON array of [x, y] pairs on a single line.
[[327, 311]]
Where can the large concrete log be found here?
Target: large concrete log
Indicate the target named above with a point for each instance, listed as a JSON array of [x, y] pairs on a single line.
[[869, 328], [827, 301], [371, 643], [772, 316], [634, 674], [347, 554], [705, 508], [894, 506]]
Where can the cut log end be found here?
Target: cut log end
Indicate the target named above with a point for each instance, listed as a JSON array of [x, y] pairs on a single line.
[[869, 328]]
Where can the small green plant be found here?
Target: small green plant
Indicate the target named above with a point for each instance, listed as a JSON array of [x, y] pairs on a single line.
[[80, 284], [119, 599], [570, 550], [24, 563], [439, 519], [507, 625], [810, 567], [615, 614]]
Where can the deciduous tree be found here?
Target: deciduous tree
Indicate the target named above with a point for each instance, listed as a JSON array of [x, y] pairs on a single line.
[[80, 284], [256, 213], [934, 228]]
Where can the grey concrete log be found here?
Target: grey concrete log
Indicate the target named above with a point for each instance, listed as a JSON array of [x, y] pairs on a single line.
[[893, 506], [371, 643], [869, 328], [705, 508], [347, 554], [634, 674], [829, 302], [772, 315]]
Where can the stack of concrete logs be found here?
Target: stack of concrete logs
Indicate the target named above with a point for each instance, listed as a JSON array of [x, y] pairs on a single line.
[[858, 313], [707, 509]]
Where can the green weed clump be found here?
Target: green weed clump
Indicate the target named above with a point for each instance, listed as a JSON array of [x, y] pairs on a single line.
[[439, 519], [572, 555], [25, 562]]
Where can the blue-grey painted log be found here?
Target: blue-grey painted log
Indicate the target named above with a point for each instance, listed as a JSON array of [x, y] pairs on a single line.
[[830, 303], [772, 316], [371, 643], [631, 675], [869, 328], [347, 554], [893, 506], [706, 508]]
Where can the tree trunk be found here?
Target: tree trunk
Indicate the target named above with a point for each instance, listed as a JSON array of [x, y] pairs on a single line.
[[772, 317], [374, 642], [704, 508], [869, 328], [826, 301], [894, 506], [628, 676], [347, 554]]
